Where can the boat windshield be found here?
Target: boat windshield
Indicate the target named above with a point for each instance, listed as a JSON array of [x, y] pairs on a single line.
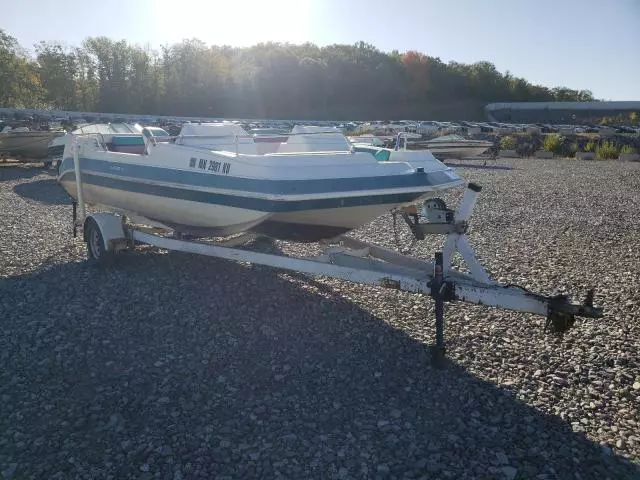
[[106, 128], [157, 131], [267, 131]]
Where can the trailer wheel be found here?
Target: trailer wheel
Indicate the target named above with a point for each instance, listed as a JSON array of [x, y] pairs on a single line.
[[96, 252]]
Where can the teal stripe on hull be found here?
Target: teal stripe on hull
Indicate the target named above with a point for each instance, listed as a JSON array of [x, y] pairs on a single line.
[[239, 201], [419, 180]]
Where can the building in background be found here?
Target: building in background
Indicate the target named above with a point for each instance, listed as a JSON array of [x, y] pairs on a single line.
[[563, 112]]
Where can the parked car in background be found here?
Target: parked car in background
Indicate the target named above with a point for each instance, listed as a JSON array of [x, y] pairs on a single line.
[[625, 129]]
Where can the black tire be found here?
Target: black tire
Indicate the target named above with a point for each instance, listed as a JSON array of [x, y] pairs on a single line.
[[96, 253]]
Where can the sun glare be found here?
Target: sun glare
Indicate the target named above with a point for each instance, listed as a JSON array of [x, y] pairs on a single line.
[[236, 23]]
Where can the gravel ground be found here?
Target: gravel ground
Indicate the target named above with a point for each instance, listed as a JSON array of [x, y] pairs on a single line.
[[168, 365]]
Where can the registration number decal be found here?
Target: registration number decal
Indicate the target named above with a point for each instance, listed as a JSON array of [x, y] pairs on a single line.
[[210, 165]]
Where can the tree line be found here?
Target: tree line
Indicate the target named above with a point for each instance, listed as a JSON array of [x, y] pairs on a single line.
[[268, 80]]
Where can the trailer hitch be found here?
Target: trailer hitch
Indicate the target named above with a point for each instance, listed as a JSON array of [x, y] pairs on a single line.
[[561, 315]]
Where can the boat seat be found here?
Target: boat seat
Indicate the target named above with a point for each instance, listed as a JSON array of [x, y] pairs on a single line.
[[314, 143], [126, 144], [244, 146]]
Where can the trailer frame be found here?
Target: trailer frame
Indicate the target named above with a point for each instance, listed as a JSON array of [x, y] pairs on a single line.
[[350, 259]]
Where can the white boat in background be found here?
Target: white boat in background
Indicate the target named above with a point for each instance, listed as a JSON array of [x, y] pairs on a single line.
[[452, 146], [444, 147], [374, 140], [26, 144], [214, 179]]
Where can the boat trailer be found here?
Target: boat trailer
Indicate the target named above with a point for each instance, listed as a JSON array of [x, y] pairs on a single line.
[[347, 258]]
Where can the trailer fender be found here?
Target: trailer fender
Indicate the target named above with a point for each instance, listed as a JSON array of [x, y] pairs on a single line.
[[110, 226]]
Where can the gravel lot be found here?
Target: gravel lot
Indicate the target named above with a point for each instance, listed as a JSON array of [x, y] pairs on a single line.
[[168, 365]]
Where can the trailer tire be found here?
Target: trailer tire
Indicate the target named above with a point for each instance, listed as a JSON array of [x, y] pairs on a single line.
[[97, 254]]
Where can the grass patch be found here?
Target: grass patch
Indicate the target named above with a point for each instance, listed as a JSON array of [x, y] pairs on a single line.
[[573, 148], [627, 149], [553, 143], [508, 143], [607, 151]]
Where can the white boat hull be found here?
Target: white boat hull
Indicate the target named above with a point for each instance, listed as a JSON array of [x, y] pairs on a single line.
[[310, 226], [183, 215], [296, 195], [27, 145]]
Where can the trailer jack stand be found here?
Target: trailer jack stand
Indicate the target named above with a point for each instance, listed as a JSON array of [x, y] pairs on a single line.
[[438, 351], [75, 219]]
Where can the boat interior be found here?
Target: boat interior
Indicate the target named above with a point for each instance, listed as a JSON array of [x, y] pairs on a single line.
[[233, 138], [124, 138]]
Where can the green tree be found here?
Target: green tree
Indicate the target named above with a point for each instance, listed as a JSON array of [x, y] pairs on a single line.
[[19, 82], [277, 80], [87, 85], [58, 72]]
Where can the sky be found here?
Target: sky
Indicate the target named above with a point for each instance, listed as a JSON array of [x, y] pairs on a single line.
[[580, 44]]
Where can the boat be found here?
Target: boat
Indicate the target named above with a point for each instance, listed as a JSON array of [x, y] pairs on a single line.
[[26, 144], [213, 179], [452, 146]]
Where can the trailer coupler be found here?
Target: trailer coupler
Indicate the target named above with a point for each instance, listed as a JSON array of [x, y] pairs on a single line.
[[562, 314]]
